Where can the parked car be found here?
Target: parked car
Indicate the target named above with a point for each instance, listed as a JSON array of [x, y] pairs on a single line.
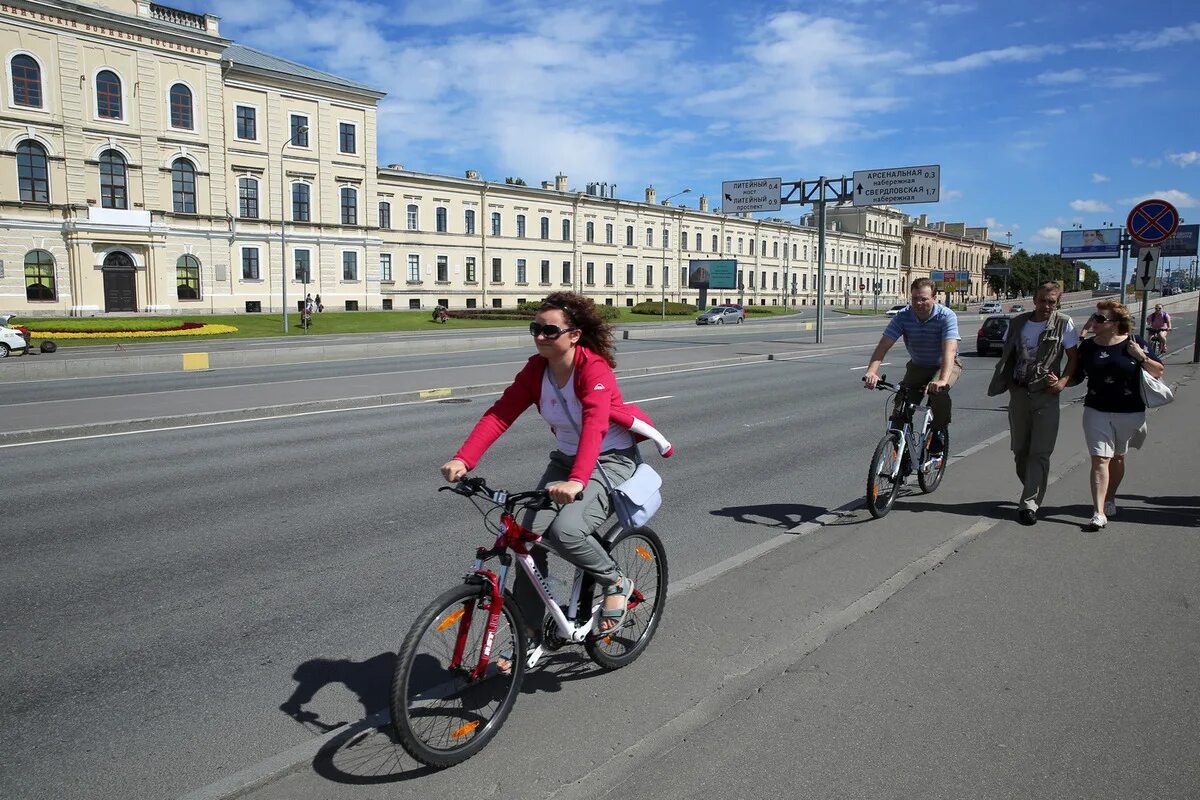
[[894, 310], [1016, 308], [991, 334], [720, 315], [11, 340], [991, 307]]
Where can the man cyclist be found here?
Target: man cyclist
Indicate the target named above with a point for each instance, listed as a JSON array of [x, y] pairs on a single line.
[[1159, 323], [930, 332]]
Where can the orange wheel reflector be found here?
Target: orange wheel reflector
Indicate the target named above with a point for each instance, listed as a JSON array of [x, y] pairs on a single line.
[[644, 553], [450, 620], [608, 640], [465, 730], [874, 492]]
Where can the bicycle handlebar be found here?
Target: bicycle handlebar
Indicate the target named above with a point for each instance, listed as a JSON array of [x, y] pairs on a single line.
[[476, 486]]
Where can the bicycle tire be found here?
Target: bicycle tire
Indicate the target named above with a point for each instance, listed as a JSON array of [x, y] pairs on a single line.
[[930, 477], [642, 558], [438, 714], [880, 497]]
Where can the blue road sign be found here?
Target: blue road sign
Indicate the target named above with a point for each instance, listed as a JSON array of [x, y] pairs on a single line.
[[1152, 221]]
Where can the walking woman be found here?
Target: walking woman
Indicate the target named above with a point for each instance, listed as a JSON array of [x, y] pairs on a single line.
[[1113, 413], [593, 426]]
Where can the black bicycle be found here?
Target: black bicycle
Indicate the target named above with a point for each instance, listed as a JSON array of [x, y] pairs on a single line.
[[905, 443]]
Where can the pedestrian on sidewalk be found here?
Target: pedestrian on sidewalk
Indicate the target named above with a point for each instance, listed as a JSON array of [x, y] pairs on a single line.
[[1114, 413], [317, 302], [1031, 370]]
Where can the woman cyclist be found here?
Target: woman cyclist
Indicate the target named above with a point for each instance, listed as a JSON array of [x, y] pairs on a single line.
[[575, 350]]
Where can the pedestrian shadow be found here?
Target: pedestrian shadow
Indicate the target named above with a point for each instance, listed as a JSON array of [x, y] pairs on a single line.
[[771, 515], [369, 680], [989, 509]]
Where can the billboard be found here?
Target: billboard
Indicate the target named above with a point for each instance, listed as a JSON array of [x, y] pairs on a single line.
[[1181, 243], [949, 281], [1091, 243], [712, 273]]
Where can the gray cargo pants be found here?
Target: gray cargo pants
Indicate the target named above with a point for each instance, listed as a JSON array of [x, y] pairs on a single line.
[[1033, 428]]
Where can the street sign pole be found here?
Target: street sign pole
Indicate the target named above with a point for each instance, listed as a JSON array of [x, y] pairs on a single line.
[[1126, 244], [821, 216]]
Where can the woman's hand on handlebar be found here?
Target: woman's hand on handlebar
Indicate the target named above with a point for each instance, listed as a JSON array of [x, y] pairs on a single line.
[[454, 469], [564, 492]]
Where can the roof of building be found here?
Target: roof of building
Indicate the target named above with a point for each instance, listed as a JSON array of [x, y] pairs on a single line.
[[257, 59]]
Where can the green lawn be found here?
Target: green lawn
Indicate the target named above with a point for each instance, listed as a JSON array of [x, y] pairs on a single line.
[[268, 325]]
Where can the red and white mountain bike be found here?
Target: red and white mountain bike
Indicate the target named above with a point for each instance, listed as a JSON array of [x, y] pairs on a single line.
[[460, 668]]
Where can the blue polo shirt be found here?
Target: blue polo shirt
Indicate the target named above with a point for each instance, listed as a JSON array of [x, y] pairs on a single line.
[[924, 339]]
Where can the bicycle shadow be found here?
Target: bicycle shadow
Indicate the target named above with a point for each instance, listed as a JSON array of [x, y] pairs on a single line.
[[771, 515], [369, 680]]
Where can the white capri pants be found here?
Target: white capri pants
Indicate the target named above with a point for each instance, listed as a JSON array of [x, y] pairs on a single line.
[[1108, 433]]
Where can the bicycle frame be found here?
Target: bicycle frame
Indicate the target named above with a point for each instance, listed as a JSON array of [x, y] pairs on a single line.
[[908, 441]]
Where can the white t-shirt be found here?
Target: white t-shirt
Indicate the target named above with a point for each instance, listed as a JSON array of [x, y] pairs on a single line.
[[1027, 355], [615, 438]]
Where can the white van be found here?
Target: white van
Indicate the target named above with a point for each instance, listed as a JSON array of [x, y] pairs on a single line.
[[12, 340]]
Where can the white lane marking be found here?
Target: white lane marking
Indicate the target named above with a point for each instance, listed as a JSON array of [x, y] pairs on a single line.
[[652, 399], [883, 364]]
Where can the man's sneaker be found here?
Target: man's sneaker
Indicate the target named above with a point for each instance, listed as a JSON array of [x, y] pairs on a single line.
[[1027, 516], [937, 444], [1110, 508], [1098, 522]]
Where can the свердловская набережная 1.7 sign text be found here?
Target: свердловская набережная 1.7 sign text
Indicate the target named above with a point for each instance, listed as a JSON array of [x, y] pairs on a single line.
[[897, 185]]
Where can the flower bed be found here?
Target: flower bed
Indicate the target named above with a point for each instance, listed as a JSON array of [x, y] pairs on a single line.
[[186, 329]]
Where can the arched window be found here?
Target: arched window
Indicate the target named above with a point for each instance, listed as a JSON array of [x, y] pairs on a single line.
[[181, 107], [545, 228], [349, 205], [187, 278], [183, 186], [590, 231], [108, 95], [39, 276], [520, 226], [566, 226], [112, 180], [412, 217], [26, 81], [32, 173], [385, 215], [301, 207], [248, 198], [440, 219]]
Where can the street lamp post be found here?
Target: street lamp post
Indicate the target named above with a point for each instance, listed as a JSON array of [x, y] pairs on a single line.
[[300, 129], [664, 251]]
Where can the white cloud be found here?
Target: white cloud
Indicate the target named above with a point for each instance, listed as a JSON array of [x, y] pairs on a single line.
[[1090, 206], [1048, 235], [1059, 78], [1176, 197], [1167, 37], [949, 9], [1184, 159], [1098, 178], [1124, 79], [1153, 163], [951, 194], [984, 58], [1054, 112]]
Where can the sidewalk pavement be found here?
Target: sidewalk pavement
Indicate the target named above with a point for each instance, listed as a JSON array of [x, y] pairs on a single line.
[[943, 651]]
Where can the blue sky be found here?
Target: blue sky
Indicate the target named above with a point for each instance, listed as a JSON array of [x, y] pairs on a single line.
[[1042, 114]]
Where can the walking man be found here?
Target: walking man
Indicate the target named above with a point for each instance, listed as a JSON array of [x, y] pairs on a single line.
[[930, 332], [1031, 370]]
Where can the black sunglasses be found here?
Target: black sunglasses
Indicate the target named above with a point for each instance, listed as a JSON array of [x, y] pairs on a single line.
[[549, 331], [1102, 318]]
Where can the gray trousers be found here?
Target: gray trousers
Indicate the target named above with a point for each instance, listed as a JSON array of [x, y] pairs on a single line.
[[567, 530], [916, 376], [1033, 426]]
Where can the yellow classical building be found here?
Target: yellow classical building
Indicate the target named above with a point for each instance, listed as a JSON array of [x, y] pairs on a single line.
[[949, 246], [149, 165]]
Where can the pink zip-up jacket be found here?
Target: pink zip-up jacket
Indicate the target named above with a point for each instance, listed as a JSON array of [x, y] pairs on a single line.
[[598, 393]]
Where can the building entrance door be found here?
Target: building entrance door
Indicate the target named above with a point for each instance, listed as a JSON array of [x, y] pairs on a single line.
[[120, 288]]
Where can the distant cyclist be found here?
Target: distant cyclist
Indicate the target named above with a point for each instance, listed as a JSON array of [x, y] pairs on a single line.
[[1159, 323], [930, 332]]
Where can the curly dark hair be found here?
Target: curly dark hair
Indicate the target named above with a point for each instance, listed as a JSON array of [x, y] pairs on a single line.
[[594, 331]]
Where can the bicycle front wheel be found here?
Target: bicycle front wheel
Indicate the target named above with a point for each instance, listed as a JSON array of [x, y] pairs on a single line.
[[641, 557], [884, 477], [929, 476], [444, 713]]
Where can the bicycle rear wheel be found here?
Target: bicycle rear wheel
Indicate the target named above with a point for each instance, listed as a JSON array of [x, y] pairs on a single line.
[[642, 558], [441, 714], [884, 477], [929, 476]]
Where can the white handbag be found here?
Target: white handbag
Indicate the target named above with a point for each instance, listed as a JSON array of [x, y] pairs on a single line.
[[1155, 393]]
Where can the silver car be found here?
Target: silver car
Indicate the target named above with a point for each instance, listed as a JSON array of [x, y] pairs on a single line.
[[721, 315]]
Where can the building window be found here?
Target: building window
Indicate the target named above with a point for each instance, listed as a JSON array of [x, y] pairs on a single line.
[[385, 215], [649, 274], [299, 128], [183, 186], [608, 233], [774, 249], [349, 265], [33, 172], [566, 273], [545, 272], [108, 95], [497, 271], [469, 268], [741, 244], [39, 276], [608, 274], [249, 263], [349, 205], [411, 217], [728, 244], [520, 226], [181, 107], [301, 206], [112, 180], [248, 198], [302, 266], [714, 243], [589, 273], [385, 267], [414, 268], [629, 272], [187, 278], [522, 277], [495, 223], [666, 236], [566, 228], [545, 223], [439, 219], [26, 81], [629, 236], [443, 269], [247, 123], [590, 232], [699, 243], [649, 237], [346, 138], [469, 221]]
